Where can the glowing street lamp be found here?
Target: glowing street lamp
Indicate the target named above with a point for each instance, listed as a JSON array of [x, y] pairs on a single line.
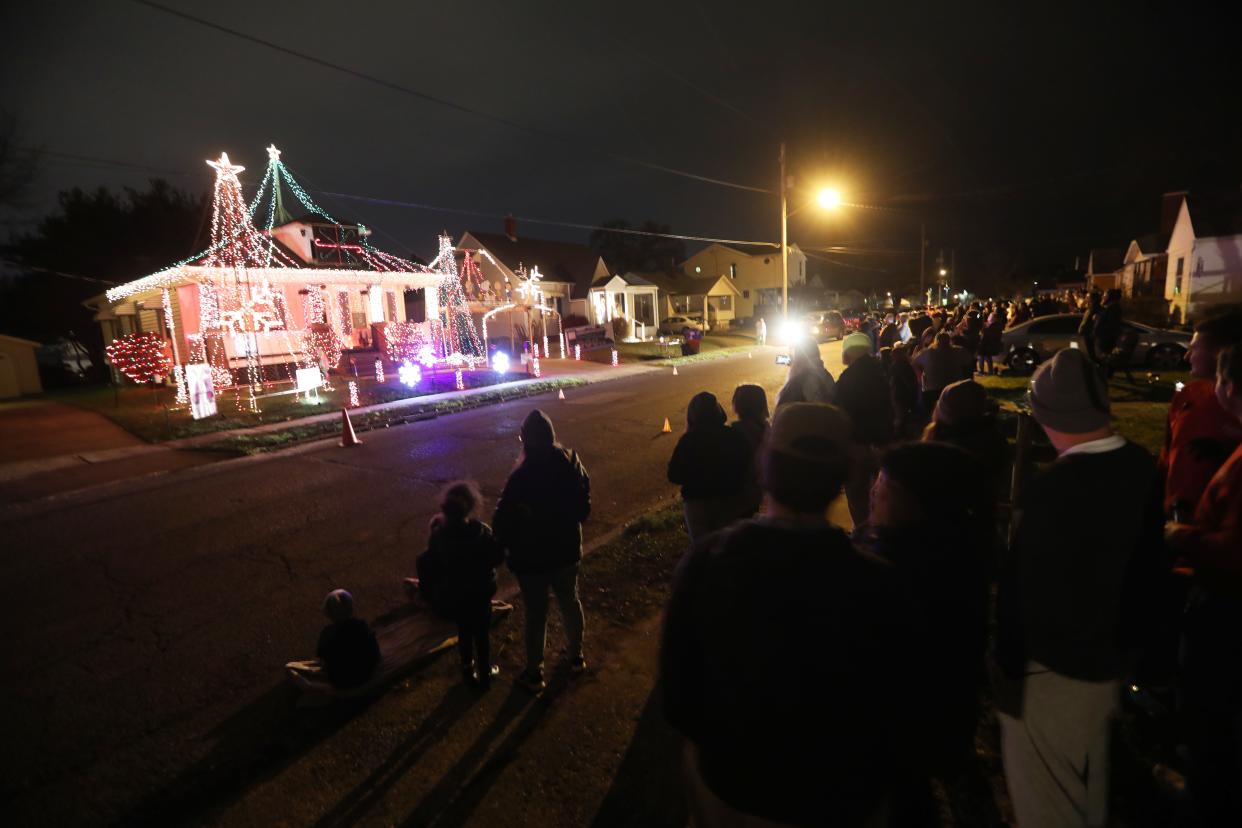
[[829, 198]]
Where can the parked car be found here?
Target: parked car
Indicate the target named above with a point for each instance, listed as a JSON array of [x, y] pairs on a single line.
[[1025, 346], [674, 325], [825, 325]]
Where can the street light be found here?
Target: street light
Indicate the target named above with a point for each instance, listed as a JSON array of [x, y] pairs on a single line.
[[944, 272], [829, 198]]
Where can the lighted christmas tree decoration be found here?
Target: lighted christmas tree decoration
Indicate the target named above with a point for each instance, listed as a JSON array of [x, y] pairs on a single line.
[[140, 356], [353, 394], [614, 357], [461, 385], [380, 376]]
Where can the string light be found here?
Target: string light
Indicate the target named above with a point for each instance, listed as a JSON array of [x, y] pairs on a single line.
[[140, 356], [614, 358], [578, 352], [183, 393], [353, 394], [562, 338], [461, 385], [535, 367], [380, 377]]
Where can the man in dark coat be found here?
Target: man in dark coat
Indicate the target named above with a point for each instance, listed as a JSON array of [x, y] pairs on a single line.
[[781, 648], [863, 393], [539, 522]]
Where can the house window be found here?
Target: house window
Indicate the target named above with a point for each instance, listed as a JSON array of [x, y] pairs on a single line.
[[1181, 262], [733, 270], [746, 294], [725, 302]]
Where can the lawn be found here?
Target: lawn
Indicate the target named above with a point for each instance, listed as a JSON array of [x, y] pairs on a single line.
[[155, 417], [1140, 408], [712, 346]]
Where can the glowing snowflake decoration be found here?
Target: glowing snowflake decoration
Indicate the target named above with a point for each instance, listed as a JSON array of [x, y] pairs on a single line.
[[409, 374], [427, 356]]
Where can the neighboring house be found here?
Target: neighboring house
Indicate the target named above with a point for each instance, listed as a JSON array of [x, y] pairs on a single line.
[[1104, 266], [714, 299], [754, 271], [629, 296], [1143, 268], [1204, 256], [19, 368], [568, 270]]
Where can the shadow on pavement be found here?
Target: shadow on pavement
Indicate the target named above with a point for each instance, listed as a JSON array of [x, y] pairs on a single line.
[[433, 728], [449, 803], [647, 787]]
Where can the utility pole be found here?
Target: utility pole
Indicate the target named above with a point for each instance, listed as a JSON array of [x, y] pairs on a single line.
[[922, 257], [784, 240]]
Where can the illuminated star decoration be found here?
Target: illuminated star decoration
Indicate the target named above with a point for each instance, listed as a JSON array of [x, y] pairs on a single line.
[[223, 167], [273, 154]]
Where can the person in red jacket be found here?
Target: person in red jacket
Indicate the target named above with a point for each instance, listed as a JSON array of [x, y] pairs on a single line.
[[1211, 668], [1200, 432]]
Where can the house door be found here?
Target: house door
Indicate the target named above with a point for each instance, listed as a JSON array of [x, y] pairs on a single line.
[[644, 309]]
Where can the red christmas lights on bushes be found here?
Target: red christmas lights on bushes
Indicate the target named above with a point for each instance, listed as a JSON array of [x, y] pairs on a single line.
[[142, 357]]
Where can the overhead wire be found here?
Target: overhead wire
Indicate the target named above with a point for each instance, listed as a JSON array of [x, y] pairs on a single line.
[[567, 141]]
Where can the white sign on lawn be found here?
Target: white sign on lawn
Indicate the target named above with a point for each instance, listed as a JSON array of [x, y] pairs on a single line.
[[202, 392]]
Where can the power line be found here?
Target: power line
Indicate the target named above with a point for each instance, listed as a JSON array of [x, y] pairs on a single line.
[[37, 269], [572, 143], [388, 202]]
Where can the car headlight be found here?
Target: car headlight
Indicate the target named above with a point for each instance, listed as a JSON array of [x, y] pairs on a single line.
[[814, 330]]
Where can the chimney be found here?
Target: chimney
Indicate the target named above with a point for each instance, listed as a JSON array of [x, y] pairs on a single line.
[[511, 228], [1170, 205]]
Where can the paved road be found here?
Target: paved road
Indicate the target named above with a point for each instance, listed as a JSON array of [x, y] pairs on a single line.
[[140, 617]]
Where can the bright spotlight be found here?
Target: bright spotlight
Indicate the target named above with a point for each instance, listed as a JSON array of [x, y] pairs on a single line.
[[791, 331], [500, 362], [829, 198]]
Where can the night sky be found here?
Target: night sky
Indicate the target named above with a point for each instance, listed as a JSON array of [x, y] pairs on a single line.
[[1021, 136]]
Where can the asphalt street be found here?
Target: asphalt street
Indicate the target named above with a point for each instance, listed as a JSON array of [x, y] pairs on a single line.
[[141, 616]]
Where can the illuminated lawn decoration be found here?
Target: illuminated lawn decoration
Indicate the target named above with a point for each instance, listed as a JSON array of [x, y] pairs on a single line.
[[614, 358], [562, 344], [500, 362], [535, 367], [140, 356], [409, 374], [426, 356], [461, 384], [578, 352], [353, 394], [380, 376]]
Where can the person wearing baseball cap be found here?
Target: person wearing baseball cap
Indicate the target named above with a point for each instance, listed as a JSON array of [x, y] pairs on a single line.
[[1073, 599], [779, 634]]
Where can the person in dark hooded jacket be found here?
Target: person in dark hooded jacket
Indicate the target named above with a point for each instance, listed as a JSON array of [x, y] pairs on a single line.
[[714, 466], [538, 520]]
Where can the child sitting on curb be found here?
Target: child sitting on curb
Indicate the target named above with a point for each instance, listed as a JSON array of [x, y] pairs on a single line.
[[347, 647]]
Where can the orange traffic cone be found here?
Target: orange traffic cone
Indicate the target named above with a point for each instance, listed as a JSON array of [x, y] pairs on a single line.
[[348, 438], [668, 429], [560, 394]]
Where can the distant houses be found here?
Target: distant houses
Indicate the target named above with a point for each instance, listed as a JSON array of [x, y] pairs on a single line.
[[1192, 263]]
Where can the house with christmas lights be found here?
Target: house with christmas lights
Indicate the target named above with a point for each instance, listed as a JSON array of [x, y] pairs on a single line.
[[273, 294], [568, 270]]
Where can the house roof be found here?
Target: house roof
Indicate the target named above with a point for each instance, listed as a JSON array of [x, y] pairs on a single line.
[[752, 250], [17, 340], [632, 279], [1107, 259], [1216, 215], [1153, 243], [558, 261]]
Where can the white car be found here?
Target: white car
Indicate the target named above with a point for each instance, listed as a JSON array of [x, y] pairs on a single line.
[[679, 325]]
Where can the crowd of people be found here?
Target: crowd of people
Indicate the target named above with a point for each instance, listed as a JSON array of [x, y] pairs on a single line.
[[819, 674], [815, 671]]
